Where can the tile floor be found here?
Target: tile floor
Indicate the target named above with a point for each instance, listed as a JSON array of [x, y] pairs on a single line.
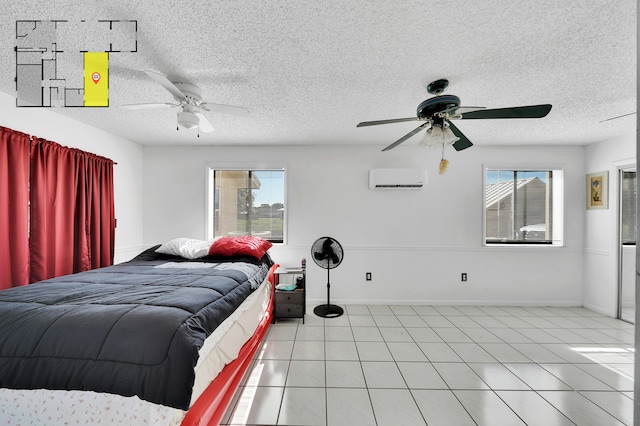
[[441, 365]]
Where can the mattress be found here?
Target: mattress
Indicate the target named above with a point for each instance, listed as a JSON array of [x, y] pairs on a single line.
[[57, 407]]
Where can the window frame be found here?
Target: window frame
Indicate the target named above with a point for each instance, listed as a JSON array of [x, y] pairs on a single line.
[[209, 195], [558, 194]]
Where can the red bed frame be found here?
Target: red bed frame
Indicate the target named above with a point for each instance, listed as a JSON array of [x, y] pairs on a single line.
[[210, 407]]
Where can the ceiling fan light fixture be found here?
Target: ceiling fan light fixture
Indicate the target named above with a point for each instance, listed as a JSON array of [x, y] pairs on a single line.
[[438, 135], [188, 120]]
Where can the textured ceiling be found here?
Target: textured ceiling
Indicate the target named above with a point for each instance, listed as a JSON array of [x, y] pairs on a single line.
[[310, 71]]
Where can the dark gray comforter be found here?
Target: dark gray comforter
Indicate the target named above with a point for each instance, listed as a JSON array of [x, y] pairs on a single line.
[[129, 329]]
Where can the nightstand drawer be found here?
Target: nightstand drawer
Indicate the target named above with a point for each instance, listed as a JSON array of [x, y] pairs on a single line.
[[289, 310], [293, 297], [290, 303]]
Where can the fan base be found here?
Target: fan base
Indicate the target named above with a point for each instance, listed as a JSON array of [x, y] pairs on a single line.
[[438, 86], [328, 311]]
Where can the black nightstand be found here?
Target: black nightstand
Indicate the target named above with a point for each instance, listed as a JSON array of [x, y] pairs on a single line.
[[290, 303]]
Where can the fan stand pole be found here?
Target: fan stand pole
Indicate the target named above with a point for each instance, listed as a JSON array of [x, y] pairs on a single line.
[[328, 310]]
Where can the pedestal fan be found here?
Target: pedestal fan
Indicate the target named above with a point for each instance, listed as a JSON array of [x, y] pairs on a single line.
[[327, 253]]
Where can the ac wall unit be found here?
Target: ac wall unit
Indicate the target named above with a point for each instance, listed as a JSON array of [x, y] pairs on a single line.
[[397, 178]]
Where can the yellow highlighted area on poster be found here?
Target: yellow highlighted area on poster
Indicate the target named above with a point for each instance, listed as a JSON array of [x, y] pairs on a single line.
[[96, 79]]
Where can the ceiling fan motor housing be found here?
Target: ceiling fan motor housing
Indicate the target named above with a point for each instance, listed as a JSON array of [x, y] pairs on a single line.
[[192, 93], [433, 106]]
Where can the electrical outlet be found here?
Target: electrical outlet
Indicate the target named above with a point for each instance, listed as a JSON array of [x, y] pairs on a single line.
[[368, 276], [463, 277]]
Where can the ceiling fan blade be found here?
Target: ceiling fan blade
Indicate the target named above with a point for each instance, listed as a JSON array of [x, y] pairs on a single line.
[[162, 80], [463, 142], [619, 116], [530, 111], [205, 125], [461, 110], [407, 136], [148, 106], [394, 120], [226, 109]]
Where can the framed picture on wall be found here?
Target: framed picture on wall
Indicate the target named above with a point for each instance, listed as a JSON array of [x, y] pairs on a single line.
[[598, 190]]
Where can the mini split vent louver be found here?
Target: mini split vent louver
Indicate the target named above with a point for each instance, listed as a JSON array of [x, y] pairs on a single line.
[[397, 178]]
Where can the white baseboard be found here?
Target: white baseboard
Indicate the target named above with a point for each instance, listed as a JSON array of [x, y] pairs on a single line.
[[553, 303], [599, 310]]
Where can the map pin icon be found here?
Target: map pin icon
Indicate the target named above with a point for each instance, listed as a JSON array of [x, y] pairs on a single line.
[[95, 77]]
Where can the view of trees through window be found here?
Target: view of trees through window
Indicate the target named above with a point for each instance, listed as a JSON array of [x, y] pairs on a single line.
[[249, 202]]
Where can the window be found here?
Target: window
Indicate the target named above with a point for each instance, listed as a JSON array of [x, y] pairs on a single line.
[[628, 208], [523, 206], [247, 202]]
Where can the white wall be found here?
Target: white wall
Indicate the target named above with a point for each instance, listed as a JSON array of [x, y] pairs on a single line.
[[601, 226], [397, 235], [416, 243], [45, 123]]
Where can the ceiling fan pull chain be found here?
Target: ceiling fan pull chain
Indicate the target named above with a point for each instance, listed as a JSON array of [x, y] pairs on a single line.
[[443, 163]]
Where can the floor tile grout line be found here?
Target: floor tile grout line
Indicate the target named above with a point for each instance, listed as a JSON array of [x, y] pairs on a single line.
[[601, 407], [400, 371], [553, 347], [550, 372], [364, 377], [286, 377], [452, 391]]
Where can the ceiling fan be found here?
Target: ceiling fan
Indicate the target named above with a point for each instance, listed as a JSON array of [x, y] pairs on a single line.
[[617, 117], [438, 111], [189, 98]]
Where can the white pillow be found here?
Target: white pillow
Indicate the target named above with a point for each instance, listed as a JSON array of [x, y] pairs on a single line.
[[188, 248]]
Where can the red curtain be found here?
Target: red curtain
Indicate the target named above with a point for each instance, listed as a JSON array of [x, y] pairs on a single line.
[[72, 211], [14, 208], [101, 222]]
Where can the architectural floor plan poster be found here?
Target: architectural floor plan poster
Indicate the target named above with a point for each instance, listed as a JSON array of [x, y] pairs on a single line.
[[66, 64]]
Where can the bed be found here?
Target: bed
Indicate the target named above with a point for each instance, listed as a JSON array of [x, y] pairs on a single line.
[[162, 339]]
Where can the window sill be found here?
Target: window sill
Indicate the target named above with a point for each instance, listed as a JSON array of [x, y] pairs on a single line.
[[527, 245]]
